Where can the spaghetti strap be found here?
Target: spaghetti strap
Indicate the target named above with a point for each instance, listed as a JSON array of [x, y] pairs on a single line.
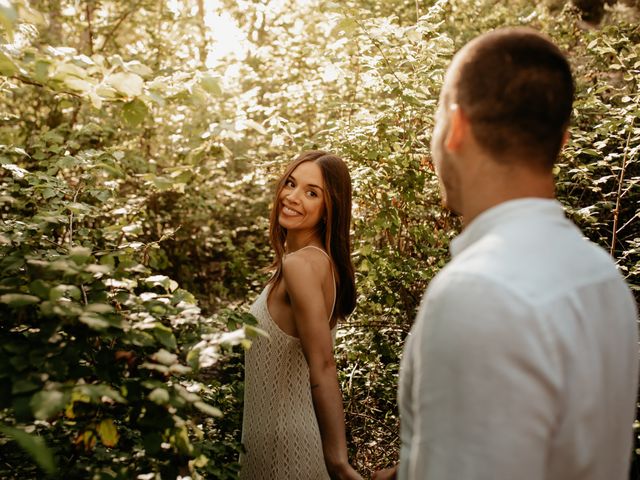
[[317, 248], [335, 288]]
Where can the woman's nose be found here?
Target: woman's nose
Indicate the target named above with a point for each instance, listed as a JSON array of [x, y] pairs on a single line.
[[293, 195]]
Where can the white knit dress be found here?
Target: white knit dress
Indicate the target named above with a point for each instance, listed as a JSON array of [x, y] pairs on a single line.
[[280, 432]]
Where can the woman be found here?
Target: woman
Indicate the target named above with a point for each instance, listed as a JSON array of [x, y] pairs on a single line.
[[293, 425]]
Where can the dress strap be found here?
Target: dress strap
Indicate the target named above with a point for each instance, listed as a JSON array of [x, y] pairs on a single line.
[[335, 288]]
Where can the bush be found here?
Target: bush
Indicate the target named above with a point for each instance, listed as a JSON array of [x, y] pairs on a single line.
[[135, 184]]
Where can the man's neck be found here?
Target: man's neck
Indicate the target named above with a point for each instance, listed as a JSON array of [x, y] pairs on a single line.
[[504, 184]]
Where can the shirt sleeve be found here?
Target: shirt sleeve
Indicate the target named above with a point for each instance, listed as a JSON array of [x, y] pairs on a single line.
[[485, 387]]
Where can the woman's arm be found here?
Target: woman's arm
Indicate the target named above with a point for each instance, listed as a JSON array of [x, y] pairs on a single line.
[[303, 282], [386, 474]]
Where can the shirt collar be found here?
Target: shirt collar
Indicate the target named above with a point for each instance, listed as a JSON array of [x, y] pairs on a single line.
[[503, 213]]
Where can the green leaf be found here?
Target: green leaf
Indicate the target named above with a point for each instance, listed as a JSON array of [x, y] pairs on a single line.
[[110, 169], [211, 85], [181, 295], [105, 92], [30, 15], [182, 442], [8, 13], [140, 338], [64, 291], [162, 183], [108, 433], [15, 170], [80, 255], [23, 386], [256, 126], [39, 288], [34, 446], [128, 84], [253, 332], [41, 70], [78, 84], [159, 396], [101, 308], [96, 392], [47, 403], [98, 269], [94, 321], [165, 336], [193, 358], [179, 369], [165, 357], [18, 299], [7, 67], [163, 281], [8, 17], [96, 100], [346, 26], [155, 366], [135, 112], [138, 68], [64, 70], [78, 208], [48, 193], [208, 409], [591, 152]]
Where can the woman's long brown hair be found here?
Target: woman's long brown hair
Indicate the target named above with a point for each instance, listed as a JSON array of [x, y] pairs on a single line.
[[335, 230]]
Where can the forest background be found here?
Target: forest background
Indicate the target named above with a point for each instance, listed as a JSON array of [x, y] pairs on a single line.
[[139, 142]]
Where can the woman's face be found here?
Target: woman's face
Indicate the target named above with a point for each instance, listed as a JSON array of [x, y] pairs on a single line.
[[301, 201]]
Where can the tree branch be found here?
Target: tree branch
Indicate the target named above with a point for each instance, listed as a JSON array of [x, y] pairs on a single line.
[[28, 81], [616, 212], [75, 197], [109, 36], [89, 28]]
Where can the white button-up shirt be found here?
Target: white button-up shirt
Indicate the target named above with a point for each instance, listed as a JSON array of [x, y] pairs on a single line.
[[523, 361]]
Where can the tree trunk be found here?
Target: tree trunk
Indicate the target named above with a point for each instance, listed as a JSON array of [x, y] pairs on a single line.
[[202, 46], [52, 35]]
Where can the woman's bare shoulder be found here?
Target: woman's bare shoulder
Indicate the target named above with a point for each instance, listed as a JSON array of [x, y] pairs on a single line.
[[307, 261]]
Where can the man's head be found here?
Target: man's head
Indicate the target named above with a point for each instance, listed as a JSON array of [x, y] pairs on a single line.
[[512, 90]]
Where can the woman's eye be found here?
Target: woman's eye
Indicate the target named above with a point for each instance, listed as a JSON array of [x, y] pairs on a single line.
[[289, 183], [311, 193]]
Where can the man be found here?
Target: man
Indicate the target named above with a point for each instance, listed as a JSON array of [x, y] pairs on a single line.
[[522, 363]]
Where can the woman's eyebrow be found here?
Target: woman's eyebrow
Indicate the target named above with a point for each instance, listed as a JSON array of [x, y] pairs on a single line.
[[309, 184]]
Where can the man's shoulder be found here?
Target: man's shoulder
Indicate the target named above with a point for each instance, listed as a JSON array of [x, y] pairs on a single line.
[[471, 312], [531, 263]]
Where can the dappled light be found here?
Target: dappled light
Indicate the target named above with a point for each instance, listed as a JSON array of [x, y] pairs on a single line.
[[139, 146]]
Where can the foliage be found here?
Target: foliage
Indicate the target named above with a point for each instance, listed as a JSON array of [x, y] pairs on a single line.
[[363, 81], [89, 347], [135, 183], [94, 341], [599, 177]]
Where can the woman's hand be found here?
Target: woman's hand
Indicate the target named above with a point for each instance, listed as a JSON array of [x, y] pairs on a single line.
[[344, 472], [386, 474]]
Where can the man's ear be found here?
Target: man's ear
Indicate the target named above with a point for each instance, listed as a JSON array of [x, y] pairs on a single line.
[[458, 128]]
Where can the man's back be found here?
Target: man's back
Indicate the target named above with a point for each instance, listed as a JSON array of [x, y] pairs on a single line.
[[523, 360]]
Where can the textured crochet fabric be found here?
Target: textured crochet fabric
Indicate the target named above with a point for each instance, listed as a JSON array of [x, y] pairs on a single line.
[[279, 427]]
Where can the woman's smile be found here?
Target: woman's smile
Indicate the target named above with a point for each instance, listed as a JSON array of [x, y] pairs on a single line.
[[302, 199], [289, 211]]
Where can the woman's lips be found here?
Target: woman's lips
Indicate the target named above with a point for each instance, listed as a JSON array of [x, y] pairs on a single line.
[[289, 211]]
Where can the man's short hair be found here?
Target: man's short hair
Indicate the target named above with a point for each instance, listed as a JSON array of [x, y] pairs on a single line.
[[516, 88]]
